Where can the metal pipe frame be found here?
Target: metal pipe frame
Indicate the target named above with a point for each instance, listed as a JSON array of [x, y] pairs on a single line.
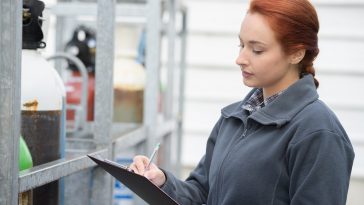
[[45, 173], [171, 58], [124, 10], [151, 91], [102, 182], [169, 89], [181, 99], [81, 120], [10, 74]]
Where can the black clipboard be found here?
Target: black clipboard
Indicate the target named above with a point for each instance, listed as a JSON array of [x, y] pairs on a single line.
[[140, 185]]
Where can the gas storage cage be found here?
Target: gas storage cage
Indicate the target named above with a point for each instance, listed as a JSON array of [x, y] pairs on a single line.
[[109, 138]]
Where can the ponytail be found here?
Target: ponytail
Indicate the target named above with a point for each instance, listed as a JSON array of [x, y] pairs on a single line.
[[307, 64], [310, 70]]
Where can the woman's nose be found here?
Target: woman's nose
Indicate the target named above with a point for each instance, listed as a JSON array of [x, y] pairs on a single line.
[[242, 58]]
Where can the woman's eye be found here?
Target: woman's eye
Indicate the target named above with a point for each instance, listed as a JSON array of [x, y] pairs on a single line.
[[257, 51]]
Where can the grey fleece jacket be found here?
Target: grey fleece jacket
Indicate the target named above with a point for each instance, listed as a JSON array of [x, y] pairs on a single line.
[[293, 151]]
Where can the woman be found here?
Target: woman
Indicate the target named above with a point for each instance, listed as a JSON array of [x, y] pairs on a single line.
[[281, 144]]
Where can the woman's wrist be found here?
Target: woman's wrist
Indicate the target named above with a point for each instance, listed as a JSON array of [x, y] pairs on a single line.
[[165, 178]]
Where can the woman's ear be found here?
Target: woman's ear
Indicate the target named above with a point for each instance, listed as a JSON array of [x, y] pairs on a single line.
[[297, 56]]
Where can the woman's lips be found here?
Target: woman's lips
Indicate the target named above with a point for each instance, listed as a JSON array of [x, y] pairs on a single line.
[[247, 74]]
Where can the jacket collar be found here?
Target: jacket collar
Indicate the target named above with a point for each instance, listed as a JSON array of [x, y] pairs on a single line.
[[282, 109]]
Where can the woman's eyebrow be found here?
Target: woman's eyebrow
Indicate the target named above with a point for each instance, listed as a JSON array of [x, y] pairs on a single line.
[[252, 42], [256, 42]]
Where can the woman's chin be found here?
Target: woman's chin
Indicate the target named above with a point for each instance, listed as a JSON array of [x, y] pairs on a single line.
[[249, 83]]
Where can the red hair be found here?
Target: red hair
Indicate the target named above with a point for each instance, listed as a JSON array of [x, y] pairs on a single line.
[[295, 24]]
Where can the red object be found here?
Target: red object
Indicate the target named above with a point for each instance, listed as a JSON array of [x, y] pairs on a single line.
[[74, 92]]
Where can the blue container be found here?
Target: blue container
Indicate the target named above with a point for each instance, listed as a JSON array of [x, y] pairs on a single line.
[[122, 195]]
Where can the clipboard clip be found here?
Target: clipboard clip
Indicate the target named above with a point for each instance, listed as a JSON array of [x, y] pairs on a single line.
[[119, 165]]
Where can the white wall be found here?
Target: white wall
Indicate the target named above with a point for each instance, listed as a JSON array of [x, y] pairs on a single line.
[[213, 79]]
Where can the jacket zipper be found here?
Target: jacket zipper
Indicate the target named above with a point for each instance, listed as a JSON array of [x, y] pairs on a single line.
[[226, 156]]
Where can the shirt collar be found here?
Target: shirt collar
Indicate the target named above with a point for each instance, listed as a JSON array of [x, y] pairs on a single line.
[[282, 109], [257, 101]]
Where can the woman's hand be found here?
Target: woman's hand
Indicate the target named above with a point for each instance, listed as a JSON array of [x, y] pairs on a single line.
[[153, 173]]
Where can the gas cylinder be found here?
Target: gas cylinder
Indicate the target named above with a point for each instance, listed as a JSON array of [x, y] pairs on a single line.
[[25, 162], [74, 93], [83, 46], [41, 108], [42, 101], [25, 158], [129, 83]]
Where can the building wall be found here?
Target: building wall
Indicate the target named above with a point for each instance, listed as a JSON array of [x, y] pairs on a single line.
[[214, 81]]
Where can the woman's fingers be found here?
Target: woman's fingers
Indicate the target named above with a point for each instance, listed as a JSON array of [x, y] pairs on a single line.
[[153, 173], [139, 164]]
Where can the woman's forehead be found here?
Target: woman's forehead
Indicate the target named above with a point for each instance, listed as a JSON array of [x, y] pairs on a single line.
[[255, 28]]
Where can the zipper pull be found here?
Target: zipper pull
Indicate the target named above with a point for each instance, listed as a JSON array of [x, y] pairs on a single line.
[[244, 133]]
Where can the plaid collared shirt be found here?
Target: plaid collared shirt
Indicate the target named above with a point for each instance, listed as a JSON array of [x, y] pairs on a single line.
[[257, 101]]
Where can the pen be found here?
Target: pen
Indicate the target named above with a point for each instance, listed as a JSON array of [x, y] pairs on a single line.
[[153, 154]]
